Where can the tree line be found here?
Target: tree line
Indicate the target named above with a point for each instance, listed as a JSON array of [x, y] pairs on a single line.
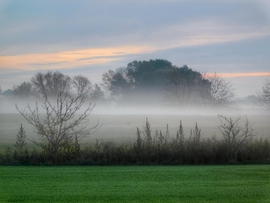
[[153, 82], [158, 81], [51, 84], [61, 113], [147, 82]]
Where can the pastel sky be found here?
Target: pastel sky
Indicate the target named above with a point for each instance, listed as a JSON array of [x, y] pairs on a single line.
[[230, 37]]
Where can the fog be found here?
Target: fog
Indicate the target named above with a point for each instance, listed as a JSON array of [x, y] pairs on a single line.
[[238, 108], [118, 123]]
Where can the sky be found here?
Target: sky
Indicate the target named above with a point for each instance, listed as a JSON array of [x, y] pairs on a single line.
[[229, 37]]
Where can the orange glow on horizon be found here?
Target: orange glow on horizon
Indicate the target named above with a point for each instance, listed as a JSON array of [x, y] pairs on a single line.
[[68, 59], [236, 75], [84, 57]]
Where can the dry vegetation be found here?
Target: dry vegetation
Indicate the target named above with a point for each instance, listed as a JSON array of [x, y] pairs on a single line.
[[154, 142]]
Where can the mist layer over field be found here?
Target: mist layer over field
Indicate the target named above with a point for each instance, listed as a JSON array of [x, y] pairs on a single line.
[[119, 124]]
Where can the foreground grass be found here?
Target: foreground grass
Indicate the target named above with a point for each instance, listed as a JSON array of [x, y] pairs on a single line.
[[249, 183]]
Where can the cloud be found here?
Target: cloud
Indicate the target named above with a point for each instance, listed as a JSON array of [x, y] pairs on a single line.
[[227, 36], [174, 36], [239, 75], [68, 59], [204, 32], [49, 26]]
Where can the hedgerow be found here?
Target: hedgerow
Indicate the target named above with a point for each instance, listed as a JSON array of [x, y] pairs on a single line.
[[238, 145]]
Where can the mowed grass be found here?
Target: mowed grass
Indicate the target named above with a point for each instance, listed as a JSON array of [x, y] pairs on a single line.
[[249, 183]]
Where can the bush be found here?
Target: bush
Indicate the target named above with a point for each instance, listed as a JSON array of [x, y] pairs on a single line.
[[238, 146]]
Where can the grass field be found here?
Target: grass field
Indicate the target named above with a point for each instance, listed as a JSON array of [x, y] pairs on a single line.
[[136, 184]]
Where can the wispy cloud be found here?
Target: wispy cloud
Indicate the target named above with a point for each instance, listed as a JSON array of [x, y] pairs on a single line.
[[226, 36], [238, 75], [162, 24], [191, 34], [69, 59], [203, 32]]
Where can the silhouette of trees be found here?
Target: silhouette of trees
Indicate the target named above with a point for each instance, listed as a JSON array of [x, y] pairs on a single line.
[[158, 80], [24, 90], [184, 86], [139, 79], [116, 83], [220, 92], [96, 93], [237, 145], [81, 84], [51, 83], [264, 95], [153, 81], [147, 74]]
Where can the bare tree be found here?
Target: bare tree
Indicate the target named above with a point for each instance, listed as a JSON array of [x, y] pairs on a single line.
[[264, 96], [220, 92], [60, 121], [81, 84], [51, 83], [235, 136]]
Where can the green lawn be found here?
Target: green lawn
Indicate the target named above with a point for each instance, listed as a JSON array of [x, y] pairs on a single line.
[[249, 183]]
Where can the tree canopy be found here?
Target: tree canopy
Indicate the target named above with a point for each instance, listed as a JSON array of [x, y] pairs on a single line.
[[158, 81], [153, 82]]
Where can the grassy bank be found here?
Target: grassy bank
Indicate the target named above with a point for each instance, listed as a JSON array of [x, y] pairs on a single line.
[[136, 184]]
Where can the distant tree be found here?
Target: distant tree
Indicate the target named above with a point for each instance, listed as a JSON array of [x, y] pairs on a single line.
[[96, 93], [148, 74], [139, 79], [51, 83], [220, 92], [7, 93], [146, 81], [264, 95], [183, 86], [81, 84], [116, 83], [24, 90], [20, 140]]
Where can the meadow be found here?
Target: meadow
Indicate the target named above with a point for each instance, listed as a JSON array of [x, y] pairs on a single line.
[[229, 183]]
